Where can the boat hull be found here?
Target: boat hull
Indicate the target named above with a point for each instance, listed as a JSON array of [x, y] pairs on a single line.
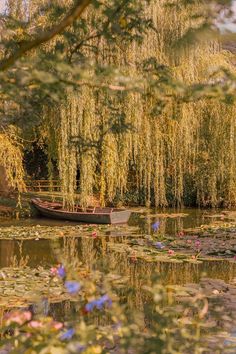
[[115, 217]]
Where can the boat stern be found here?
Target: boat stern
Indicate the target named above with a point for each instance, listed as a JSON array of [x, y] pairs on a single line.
[[120, 217]]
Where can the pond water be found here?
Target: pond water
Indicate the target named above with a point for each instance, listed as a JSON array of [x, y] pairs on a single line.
[[98, 252], [107, 251]]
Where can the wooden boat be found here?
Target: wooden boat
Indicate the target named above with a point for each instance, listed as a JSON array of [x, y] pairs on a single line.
[[96, 215]]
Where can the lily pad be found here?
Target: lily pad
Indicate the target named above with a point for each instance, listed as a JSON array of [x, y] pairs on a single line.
[[23, 286]]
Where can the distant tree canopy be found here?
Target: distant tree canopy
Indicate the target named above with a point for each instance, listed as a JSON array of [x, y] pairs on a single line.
[[136, 95]]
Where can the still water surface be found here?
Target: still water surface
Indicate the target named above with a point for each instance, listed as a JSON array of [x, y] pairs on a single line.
[[107, 253], [99, 254]]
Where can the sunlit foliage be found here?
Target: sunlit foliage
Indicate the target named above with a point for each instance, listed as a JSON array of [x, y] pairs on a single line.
[[11, 161], [170, 149], [134, 97]]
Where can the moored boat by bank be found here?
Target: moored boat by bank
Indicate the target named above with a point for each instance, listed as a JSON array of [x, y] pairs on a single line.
[[96, 215]]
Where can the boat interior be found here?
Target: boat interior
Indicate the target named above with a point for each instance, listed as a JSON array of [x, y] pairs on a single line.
[[77, 208]]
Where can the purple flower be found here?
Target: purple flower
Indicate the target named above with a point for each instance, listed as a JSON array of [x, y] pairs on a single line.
[[68, 334], [99, 303], [80, 348], [61, 271], [72, 286], [156, 226], [159, 245]]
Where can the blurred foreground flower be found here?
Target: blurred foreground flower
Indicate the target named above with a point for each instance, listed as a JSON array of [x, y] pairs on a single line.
[[72, 286], [36, 324], [19, 317], [79, 347], [171, 252], [99, 303], [156, 226], [46, 323], [53, 271], [57, 325], [68, 334]]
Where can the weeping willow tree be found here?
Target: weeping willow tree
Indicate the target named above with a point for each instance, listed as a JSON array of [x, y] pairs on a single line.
[[171, 154], [151, 138], [11, 167]]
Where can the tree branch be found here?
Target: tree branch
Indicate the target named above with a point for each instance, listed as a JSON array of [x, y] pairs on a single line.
[[97, 34], [46, 36]]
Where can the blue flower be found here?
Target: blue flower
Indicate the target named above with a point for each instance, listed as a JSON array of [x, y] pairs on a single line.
[[72, 286], [61, 271], [159, 245], [104, 300], [90, 306], [156, 226], [68, 334], [99, 303]]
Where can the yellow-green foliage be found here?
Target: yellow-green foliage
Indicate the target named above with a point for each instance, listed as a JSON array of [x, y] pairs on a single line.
[[188, 150], [11, 161]]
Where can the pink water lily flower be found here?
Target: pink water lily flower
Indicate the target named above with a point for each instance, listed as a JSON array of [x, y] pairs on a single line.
[[94, 234], [198, 243]]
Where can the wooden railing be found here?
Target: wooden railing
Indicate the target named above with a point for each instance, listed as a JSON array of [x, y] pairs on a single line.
[[43, 185]]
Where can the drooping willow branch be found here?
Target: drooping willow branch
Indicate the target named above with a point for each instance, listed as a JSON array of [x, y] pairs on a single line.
[[46, 36]]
